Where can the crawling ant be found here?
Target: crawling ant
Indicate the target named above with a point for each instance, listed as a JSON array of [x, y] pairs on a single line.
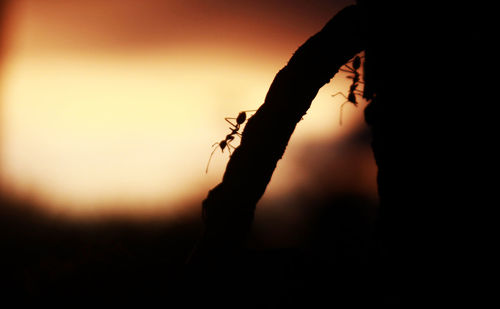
[[235, 128], [353, 89]]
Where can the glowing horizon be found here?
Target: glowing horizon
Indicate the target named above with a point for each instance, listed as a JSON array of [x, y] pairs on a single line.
[[135, 126]]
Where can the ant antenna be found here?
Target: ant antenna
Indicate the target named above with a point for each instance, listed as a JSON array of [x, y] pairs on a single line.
[[209, 159]]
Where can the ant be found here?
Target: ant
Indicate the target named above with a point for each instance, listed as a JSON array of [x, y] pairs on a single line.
[[235, 128], [353, 89]]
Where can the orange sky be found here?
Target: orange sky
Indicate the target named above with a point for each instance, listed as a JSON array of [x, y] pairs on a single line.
[[108, 105]]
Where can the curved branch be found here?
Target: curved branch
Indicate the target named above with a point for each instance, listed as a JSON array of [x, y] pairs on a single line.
[[228, 210]]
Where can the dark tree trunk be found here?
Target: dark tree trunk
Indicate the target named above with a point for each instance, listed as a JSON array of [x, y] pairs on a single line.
[[422, 68]]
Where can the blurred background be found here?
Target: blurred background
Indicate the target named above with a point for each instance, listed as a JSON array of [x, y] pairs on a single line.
[[109, 110]]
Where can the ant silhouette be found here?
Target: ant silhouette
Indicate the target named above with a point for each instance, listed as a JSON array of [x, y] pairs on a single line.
[[226, 142], [353, 89]]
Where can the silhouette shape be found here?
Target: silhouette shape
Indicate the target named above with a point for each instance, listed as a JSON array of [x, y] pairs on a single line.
[[228, 210], [353, 89], [426, 147], [240, 119]]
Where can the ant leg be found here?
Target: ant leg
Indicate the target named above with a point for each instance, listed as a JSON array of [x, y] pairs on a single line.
[[349, 70], [230, 122], [209, 159], [341, 110], [229, 149], [341, 93], [350, 67], [234, 132], [357, 89]]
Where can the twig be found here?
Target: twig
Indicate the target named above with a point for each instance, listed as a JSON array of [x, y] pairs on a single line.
[[228, 210]]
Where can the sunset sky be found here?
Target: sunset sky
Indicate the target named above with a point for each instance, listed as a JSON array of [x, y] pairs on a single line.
[[113, 106]]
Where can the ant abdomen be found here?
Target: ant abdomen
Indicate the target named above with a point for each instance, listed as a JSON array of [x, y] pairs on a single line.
[[222, 144]]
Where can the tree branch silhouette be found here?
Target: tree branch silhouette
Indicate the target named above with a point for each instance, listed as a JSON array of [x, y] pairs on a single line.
[[228, 210]]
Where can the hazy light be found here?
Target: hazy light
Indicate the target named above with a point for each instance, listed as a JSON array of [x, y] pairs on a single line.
[[131, 131]]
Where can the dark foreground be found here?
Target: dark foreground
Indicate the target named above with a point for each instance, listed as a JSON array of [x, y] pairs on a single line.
[[51, 261]]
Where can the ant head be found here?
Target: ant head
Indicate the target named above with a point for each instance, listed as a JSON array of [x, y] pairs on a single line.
[[222, 145], [356, 63], [242, 116]]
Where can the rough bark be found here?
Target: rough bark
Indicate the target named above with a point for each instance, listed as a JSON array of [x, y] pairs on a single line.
[[228, 210]]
